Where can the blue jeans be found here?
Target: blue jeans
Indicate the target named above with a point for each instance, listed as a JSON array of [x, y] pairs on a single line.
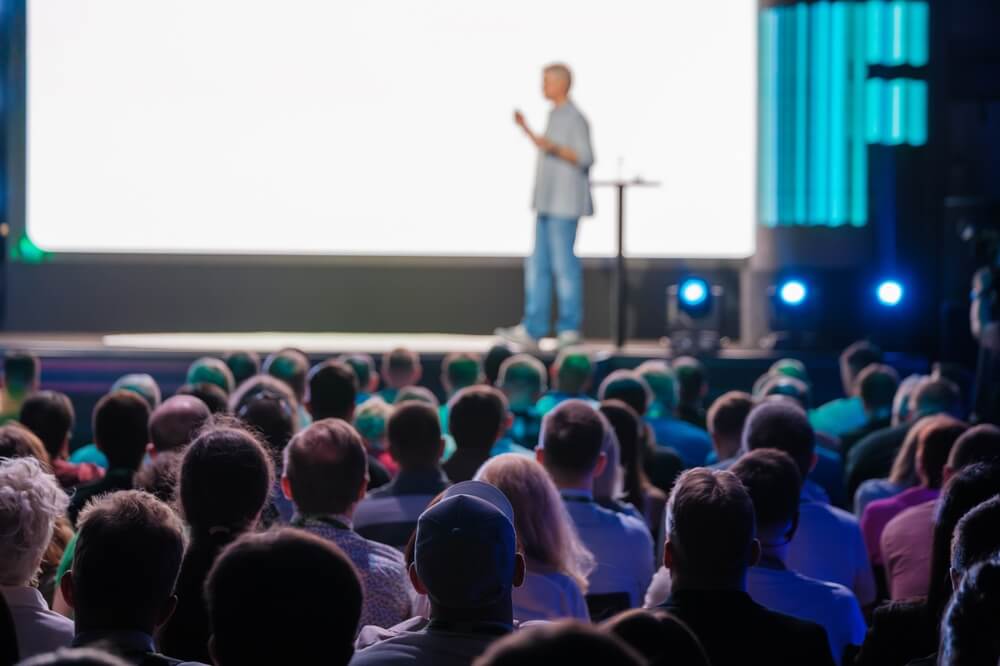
[[553, 256]]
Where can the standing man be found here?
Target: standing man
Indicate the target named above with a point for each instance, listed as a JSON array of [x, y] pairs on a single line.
[[562, 196]]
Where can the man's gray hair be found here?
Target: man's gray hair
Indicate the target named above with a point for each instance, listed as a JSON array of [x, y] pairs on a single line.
[[561, 70], [30, 502]]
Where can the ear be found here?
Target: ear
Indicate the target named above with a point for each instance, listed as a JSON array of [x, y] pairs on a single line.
[[150, 450], [946, 473], [815, 460], [64, 449], [602, 462], [418, 584], [956, 578], [540, 456], [308, 405], [508, 422], [364, 488], [754, 553], [286, 488], [520, 570], [668, 554], [418, 372], [441, 446], [66, 587], [168, 609]]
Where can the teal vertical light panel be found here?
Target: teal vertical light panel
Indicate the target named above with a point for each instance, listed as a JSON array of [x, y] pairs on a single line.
[[837, 212], [858, 214], [767, 120], [785, 101], [875, 11], [801, 211], [895, 110], [916, 112], [819, 140], [897, 32], [875, 116], [918, 34]]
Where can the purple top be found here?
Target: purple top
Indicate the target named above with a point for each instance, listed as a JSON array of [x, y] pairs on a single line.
[[878, 514]]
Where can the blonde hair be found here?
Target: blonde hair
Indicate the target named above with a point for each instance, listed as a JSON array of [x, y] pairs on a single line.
[[543, 525], [904, 468]]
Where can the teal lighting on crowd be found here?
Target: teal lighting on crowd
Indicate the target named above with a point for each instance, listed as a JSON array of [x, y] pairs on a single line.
[[793, 292], [889, 293], [821, 107]]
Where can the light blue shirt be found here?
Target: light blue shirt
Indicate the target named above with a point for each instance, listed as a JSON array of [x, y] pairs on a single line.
[[562, 189]]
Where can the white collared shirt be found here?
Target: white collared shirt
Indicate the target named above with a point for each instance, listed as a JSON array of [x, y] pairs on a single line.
[[39, 630]]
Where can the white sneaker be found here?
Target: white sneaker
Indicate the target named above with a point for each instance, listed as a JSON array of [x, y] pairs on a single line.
[[518, 335], [568, 339]]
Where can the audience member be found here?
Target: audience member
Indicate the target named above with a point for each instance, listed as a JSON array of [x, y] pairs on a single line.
[[711, 543], [389, 514], [692, 384], [31, 503], [142, 384], [326, 476], [479, 418], [459, 370], [847, 414], [571, 376], [903, 474], [224, 482], [561, 642], [417, 394], [121, 432], [158, 477], [371, 419], [400, 368], [494, 358], [16, 441], [74, 657], [969, 627], [243, 365], [291, 366], [282, 597], [661, 638], [877, 386], [272, 415], [522, 379], [979, 443], [174, 424], [557, 562], [50, 416], [332, 391], [210, 394], [21, 377], [364, 369], [691, 442], [725, 419], [121, 585], [570, 450], [466, 562], [773, 480], [211, 370], [828, 544]]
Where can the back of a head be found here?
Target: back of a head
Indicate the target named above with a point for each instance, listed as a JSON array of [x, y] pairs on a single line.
[[854, 359], [128, 553], [143, 385], [327, 467], [272, 414], [210, 394], [461, 369], [789, 387], [80, 656], [728, 414], [627, 426], [979, 443], [21, 371], [121, 428], [572, 371], [522, 376], [968, 632], [290, 366], [159, 476], [260, 384], [790, 367], [692, 379], [571, 438], [332, 390], [936, 396], [49, 414], [877, 384], [401, 366], [977, 536], [30, 503], [174, 423], [629, 387], [211, 370], [318, 627], [773, 480], [567, 641], [710, 526], [494, 358], [225, 479], [371, 419], [660, 637], [662, 382], [363, 366], [417, 394], [476, 416], [780, 424], [414, 434], [16, 441], [243, 365], [934, 446]]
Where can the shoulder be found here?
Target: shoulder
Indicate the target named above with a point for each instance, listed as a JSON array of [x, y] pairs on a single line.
[[907, 518], [833, 516]]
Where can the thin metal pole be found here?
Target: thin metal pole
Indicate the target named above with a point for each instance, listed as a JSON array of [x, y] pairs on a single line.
[[620, 303]]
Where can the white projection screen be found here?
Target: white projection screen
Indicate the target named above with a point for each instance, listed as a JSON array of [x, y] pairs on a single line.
[[381, 127]]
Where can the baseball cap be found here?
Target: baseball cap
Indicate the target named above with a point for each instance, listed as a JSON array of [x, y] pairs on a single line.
[[465, 546]]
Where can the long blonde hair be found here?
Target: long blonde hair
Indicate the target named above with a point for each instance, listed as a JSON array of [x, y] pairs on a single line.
[[541, 521], [904, 467]]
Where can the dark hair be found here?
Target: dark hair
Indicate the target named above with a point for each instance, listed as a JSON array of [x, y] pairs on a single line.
[[977, 535], [691, 379], [565, 641], [710, 524], [211, 370], [243, 365], [521, 374], [414, 435], [772, 478], [461, 369], [728, 414], [629, 387], [660, 637], [363, 366], [979, 443], [877, 385], [789, 387], [968, 632], [854, 359], [16, 441], [226, 478], [248, 610], [495, 357], [933, 396], [572, 371], [934, 445], [627, 426], [779, 424], [572, 435], [476, 416], [128, 553], [272, 415], [210, 394], [175, 422], [159, 476], [290, 366], [417, 394], [333, 388], [21, 369], [121, 428], [400, 363], [49, 414], [326, 466]]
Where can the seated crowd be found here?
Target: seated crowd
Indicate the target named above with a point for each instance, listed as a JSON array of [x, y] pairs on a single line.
[[277, 512]]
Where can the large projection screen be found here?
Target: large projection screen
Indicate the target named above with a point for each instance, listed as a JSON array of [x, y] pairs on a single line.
[[381, 127]]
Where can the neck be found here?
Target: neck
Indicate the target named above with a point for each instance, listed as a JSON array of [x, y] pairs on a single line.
[[420, 469], [585, 484], [501, 612], [86, 625], [559, 100], [680, 582], [726, 449]]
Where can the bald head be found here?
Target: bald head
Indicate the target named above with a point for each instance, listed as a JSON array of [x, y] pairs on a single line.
[[174, 423]]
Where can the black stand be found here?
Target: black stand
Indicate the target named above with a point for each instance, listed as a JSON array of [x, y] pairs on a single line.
[[619, 290]]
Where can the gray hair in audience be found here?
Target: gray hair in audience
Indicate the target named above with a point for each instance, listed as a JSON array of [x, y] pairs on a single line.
[[30, 502]]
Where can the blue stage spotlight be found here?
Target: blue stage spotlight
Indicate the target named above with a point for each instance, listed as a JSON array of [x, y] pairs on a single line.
[[793, 292], [692, 293], [694, 315], [889, 293]]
